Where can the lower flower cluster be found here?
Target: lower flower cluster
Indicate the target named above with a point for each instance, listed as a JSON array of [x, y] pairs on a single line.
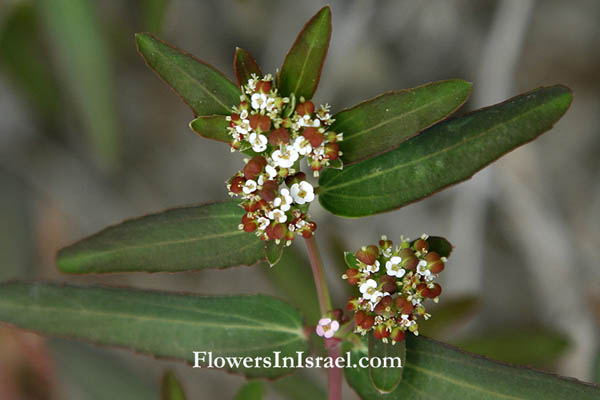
[[394, 283], [280, 132]]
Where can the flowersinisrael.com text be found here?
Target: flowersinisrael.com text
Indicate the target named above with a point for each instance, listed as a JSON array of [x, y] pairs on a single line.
[[206, 359]]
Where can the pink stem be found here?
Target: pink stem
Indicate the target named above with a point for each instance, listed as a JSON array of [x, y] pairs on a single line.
[[318, 275], [334, 375]]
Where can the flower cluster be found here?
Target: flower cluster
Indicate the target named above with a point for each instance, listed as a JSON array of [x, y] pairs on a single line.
[[280, 133], [393, 283]]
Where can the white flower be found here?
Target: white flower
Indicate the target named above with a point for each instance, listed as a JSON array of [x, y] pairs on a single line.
[[285, 158], [263, 223], [284, 200], [302, 192], [387, 252], [373, 268], [278, 215], [249, 186], [244, 116], [327, 327], [259, 101], [258, 142], [422, 269], [271, 171], [375, 298], [368, 289], [393, 267], [302, 146]]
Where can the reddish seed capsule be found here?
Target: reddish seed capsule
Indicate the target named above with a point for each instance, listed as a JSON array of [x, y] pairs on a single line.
[[385, 244], [360, 317], [397, 335], [352, 304], [420, 245], [235, 117], [424, 290], [254, 167], [332, 151], [279, 136], [368, 322], [313, 136], [435, 291], [352, 276], [305, 108], [368, 255], [236, 184], [268, 191], [403, 305], [296, 178], [263, 86], [380, 332], [275, 231], [337, 314], [254, 120], [264, 123]]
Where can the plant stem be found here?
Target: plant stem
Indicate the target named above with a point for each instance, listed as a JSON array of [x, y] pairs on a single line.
[[318, 275], [334, 375]]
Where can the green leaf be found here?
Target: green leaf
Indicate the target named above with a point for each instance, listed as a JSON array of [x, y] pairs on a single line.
[[445, 154], [292, 277], [351, 260], [386, 379], [82, 56], [206, 90], [181, 239], [301, 69], [381, 124], [170, 388], [161, 324], [273, 252], [435, 370], [448, 315], [534, 346], [212, 127], [254, 390], [244, 66]]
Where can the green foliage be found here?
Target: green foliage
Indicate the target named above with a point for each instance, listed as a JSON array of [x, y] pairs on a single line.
[[384, 122], [253, 390], [301, 69], [189, 238], [244, 66], [443, 155], [203, 88], [386, 379], [161, 324], [211, 127], [434, 370]]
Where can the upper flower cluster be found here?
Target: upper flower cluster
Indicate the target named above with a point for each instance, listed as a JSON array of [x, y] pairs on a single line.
[[281, 133], [393, 283]]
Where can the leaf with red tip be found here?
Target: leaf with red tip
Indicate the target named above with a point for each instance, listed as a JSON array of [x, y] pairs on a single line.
[[202, 87], [244, 66], [301, 69]]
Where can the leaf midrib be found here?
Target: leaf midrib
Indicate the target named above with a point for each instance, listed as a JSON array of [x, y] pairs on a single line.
[[328, 188]]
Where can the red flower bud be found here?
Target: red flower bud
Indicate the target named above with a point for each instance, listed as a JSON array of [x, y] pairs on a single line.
[[313, 136], [268, 190], [435, 263], [435, 291], [421, 245], [263, 86], [235, 117], [249, 223], [279, 136], [368, 254], [389, 284], [424, 290], [360, 317], [382, 306], [275, 231]]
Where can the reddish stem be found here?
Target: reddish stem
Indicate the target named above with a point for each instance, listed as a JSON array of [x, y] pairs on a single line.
[[318, 275], [334, 375]]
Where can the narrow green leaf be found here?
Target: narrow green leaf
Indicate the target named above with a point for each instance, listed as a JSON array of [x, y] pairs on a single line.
[[435, 370], [81, 53], [161, 324], [381, 124], [206, 90], [445, 154], [212, 127], [448, 315], [273, 252], [301, 69], [351, 260], [386, 379], [292, 277], [254, 390], [244, 66], [535, 346], [170, 388], [189, 238]]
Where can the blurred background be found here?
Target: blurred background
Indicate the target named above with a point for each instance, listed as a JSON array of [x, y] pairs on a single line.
[[89, 136]]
